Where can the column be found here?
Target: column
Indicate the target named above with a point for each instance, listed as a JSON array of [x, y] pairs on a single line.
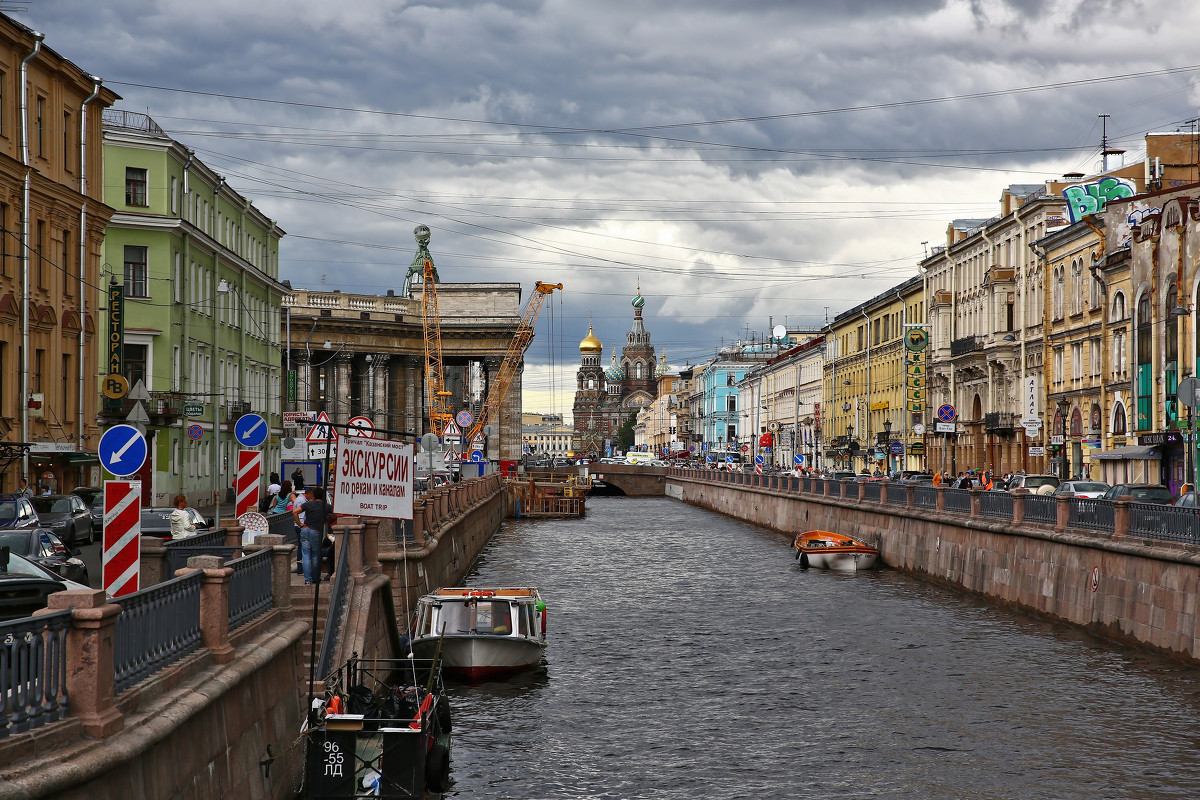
[[340, 405], [495, 445], [303, 381], [413, 418], [380, 407]]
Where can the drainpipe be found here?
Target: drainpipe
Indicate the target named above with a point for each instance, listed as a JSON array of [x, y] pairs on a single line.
[[24, 399], [867, 412], [83, 209]]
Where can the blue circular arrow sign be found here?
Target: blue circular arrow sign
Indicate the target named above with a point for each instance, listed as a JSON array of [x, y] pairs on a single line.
[[250, 430], [122, 450], [798, 460]]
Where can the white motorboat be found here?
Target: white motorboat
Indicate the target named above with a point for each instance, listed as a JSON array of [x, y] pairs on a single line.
[[836, 551], [481, 632]]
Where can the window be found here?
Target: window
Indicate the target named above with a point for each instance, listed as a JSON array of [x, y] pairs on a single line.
[[731, 403], [135, 187], [1094, 357], [135, 364], [70, 277], [39, 362], [1118, 427], [136, 278], [729, 381], [67, 382], [174, 195], [1076, 361], [39, 252], [5, 234], [1058, 365], [1118, 308], [66, 133], [1056, 297], [1145, 374], [41, 134]]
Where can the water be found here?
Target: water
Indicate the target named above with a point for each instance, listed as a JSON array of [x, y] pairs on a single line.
[[691, 657]]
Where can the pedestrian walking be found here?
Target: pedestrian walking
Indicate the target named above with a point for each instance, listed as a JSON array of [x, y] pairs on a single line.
[[312, 532]]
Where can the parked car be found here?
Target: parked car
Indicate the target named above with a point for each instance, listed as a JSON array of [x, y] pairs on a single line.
[[97, 511], [157, 522], [1037, 484], [837, 475], [917, 478], [66, 515], [1141, 493], [24, 586], [18, 512], [1081, 489], [44, 548], [88, 493], [1186, 500]]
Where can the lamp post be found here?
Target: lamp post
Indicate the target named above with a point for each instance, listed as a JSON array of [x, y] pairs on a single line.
[[887, 437], [849, 445], [1064, 408]]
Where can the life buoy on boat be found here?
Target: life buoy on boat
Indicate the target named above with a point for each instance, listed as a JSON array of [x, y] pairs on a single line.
[[541, 606], [479, 593]]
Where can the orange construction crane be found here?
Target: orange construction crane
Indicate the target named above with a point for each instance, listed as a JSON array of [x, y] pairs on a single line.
[[513, 359], [436, 396]]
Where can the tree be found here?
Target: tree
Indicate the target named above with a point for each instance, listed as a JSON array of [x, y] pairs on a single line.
[[625, 434]]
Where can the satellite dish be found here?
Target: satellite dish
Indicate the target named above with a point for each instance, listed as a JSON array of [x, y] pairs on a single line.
[[779, 332]]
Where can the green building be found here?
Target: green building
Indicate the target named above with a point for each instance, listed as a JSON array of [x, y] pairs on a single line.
[[202, 298]]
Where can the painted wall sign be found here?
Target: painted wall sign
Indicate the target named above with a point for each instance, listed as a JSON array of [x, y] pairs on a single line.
[[1084, 199]]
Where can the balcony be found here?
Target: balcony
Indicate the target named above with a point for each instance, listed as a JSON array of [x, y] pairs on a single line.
[[965, 345], [1003, 423], [163, 408], [235, 410]]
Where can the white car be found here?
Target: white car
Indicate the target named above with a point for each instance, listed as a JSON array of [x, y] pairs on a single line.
[[1081, 489]]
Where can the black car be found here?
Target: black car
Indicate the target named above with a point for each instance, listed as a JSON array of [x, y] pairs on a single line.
[[157, 522], [65, 514], [17, 512], [42, 547], [89, 493], [1141, 493], [24, 585]]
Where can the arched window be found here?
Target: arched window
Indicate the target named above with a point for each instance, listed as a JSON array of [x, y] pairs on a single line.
[[1056, 298], [1118, 424], [1118, 308], [1145, 372], [591, 383], [638, 370], [1171, 353]]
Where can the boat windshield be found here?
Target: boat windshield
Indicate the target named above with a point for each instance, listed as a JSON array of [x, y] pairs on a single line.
[[493, 617], [483, 616]]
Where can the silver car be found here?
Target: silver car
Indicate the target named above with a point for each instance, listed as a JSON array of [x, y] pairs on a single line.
[[1081, 489]]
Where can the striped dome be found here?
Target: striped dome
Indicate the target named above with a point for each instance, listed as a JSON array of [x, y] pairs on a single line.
[[614, 371], [639, 301]]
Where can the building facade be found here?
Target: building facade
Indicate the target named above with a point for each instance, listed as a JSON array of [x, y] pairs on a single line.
[[198, 266], [781, 399]]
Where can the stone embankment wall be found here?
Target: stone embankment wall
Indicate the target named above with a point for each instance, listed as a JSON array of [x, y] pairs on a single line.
[[1127, 589]]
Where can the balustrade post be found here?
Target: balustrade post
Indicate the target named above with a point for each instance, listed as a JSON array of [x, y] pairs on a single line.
[[941, 498], [370, 545], [233, 534], [846, 482], [976, 501], [353, 548], [283, 560], [443, 505], [1019, 506], [214, 604], [883, 491], [910, 495], [419, 521], [153, 557], [1063, 507], [91, 669], [1120, 518], [862, 490]]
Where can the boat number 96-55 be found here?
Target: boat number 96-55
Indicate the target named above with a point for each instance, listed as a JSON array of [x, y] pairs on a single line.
[[334, 760]]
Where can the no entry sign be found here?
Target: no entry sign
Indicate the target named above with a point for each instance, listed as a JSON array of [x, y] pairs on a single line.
[[121, 557], [249, 475]]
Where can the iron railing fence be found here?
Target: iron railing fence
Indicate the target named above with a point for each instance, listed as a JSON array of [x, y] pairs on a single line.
[[996, 504], [1092, 512], [338, 591], [817, 486], [33, 670], [156, 627], [283, 525], [1169, 523], [897, 494], [213, 538], [250, 587], [1042, 508], [871, 491], [924, 497], [958, 500]]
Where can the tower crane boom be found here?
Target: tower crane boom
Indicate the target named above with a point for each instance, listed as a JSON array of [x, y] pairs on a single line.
[[436, 396]]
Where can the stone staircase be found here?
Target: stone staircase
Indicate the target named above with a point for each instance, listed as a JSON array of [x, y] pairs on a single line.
[[302, 608]]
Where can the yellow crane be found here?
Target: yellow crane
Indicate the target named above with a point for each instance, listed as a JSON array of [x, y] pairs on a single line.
[[436, 396], [513, 358]]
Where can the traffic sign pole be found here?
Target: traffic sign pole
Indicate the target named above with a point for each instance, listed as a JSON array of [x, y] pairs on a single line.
[[249, 475], [121, 554]]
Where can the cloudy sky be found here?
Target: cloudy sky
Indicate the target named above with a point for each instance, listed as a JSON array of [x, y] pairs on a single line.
[[751, 162]]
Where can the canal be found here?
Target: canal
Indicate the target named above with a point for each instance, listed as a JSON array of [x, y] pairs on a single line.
[[691, 657]]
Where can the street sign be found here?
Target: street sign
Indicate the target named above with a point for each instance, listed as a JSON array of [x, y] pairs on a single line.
[[1031, 422], [121, 556], [1056, 440], [946, 427], [476, 455], [1037, 452], [321, 430], [451, 430], [897, 448], [374, 478], [798, 460], [360, 426], [758, 468], [709, 459], [1189, 392], [729, 459], [250, 430], [945, 412], [195, 432], [294, 419], [464, 419], [253, 523], [193, 409], [758, 459], [477, 442], [773, 426], [918, 429], [114, 386], [451, 456], [122, 450], [745, 448], [249, 474]]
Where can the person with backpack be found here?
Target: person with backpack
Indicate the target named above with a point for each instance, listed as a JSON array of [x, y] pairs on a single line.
[[312, 533]]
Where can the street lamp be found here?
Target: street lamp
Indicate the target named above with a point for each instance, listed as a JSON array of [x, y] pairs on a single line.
[[1064, 408]]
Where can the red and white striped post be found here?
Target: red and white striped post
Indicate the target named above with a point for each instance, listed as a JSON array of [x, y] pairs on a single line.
[[122, 554], [249, 475]]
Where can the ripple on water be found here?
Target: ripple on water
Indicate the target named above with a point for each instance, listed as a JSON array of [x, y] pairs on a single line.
[[691, 657]]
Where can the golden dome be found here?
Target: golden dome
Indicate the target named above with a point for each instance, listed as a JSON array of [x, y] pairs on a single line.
[[590, 343]]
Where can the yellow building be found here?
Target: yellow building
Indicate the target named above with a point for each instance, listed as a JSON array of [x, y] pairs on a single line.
[[867, 421]]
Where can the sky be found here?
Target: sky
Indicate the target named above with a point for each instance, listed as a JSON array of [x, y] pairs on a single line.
[[746, 164]]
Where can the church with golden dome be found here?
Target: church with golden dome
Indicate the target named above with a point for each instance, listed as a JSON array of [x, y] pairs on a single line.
[[606, 396]]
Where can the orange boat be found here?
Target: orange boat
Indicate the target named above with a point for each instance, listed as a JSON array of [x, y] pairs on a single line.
[[827, 550]]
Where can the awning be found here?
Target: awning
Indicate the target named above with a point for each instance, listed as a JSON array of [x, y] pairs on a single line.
[[1128, 453], [82, 458]]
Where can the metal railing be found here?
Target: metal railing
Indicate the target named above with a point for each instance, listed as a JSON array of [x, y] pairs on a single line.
[[1092, 512], [156, 627], [996, 504], [966, 344], [337, 602], [210, 543], [817, 486], [897, 494], [924, 497], [958, 500], [1169, 523], [283, 525], [250, 587], [871, 491], [1041, 508], [33, 671]]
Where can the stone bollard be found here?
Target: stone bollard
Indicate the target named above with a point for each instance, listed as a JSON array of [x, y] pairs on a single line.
[[884, 486], [419, 521], [233, 534], [370, 545], [214, 604], [976, 501], [910, 495], [1063, 507], [941, 498], [153, 561], [1019, 506], [283, 560], [91, 675], [1120, 518], [443, 499], [862, 490]]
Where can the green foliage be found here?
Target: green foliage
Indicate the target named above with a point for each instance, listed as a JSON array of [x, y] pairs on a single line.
[[625, 434]]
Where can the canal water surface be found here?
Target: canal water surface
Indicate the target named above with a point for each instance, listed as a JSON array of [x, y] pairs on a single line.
[[691, 657]]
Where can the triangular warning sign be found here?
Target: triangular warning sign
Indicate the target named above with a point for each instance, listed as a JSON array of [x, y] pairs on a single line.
[[477, 442], [451, 456], [321, 430], [451, 429]]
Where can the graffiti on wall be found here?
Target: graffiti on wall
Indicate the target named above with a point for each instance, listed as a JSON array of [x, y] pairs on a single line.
[[1084, 199]]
